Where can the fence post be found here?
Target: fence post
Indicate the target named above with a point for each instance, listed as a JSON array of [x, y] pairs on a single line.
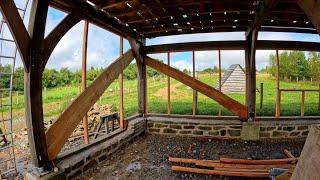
[[319, 99], [17, 94], [261, 97], [302, 103]]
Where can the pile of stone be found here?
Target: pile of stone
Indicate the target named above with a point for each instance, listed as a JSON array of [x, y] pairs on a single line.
[[93, 118]]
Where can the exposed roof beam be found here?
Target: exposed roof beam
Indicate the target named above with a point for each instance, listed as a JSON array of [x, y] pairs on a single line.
[[110, 4], [96, 17], [312, 10], [263, 13], [232, 45]]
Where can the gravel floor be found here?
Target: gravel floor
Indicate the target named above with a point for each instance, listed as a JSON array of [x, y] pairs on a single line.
[[147, 158]]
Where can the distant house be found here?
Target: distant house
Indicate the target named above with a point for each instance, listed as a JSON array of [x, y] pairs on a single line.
[[233, 80]]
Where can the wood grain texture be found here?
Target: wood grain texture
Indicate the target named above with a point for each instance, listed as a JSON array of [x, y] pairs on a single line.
[[229, 103], [308, 166], [17, 29], [59, 132], [33, 85]]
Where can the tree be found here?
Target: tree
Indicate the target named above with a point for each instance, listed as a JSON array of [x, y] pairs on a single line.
[[314, 64], [18, 79]]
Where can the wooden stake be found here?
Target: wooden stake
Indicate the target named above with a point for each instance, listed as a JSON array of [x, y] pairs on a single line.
[[84, 78], [220, 83], [278, 96], [302, 103], [121, 114], [169, 92]]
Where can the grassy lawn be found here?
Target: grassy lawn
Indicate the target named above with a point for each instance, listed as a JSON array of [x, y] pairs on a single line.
[[57, 99]]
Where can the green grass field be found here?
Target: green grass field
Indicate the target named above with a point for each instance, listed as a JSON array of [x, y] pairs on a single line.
[[56, 100]]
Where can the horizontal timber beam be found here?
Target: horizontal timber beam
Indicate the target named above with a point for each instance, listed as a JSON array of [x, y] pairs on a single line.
[[196, 46], [59, 132], [232, 45], [229, 103]]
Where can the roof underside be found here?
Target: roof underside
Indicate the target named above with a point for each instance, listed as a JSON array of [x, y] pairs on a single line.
[[153, 18]]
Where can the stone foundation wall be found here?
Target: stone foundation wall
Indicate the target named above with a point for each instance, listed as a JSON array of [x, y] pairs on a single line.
[[78, 163], [230, 129]]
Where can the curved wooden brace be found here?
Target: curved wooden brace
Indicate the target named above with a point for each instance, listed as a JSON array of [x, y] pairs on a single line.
[[63, 127], [229, 103], [18, 30], [55, 35]]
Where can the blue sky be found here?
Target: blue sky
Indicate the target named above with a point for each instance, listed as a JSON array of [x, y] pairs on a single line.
[[103, 46]]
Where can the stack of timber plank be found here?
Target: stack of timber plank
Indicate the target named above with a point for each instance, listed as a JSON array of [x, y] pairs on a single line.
[[233, 167]]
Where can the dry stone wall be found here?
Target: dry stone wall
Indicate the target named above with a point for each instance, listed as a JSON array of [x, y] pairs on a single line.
[[227, 128]]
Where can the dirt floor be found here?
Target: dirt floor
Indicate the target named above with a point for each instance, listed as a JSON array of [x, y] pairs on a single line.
[[147, 158]]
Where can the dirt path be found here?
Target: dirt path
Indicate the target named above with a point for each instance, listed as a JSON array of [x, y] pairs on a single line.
[[163, 92]]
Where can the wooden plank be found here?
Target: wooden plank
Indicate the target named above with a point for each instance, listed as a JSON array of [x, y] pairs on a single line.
[[33, 86], [312, 10], [258, 162], [221, 173], [137, 49], [278, 96], [121, 112], [201, 87], [169, 91], [232, 45], [190, 161], [309, 163], [240, 166], [84, 78], [108, 4], [58, 32], [17, 29], [59, 132], [302, 103]]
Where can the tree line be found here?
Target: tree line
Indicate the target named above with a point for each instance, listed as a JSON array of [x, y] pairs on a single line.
[[56, 78], [295, 64]]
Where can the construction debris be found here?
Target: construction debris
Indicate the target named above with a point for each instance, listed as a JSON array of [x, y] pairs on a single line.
[[236, 167]]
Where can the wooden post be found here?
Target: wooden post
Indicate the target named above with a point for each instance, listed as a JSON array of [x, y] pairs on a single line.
[[319, 99], [195, 97], [261, 97], [121, 114], [220, 83], [17, 97], [251, 74], [278, 96], [169, 92], [33, 85], [84, 78], [302, 103], [142, 75]]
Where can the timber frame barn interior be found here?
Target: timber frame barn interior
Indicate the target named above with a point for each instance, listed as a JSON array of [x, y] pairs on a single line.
[[137, 20]]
